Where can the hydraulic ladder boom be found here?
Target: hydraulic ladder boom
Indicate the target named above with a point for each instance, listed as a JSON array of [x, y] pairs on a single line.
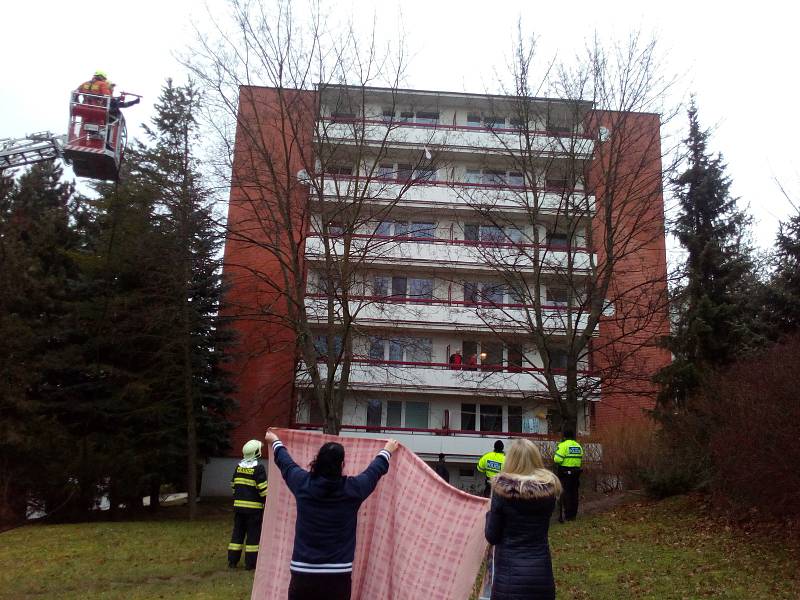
[[37, 147]]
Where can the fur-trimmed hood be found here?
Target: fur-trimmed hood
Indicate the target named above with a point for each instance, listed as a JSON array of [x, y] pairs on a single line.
[[541, 484]]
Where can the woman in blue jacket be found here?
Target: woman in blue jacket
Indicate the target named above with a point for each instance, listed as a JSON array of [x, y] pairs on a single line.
[[327, 513], [524, 495]]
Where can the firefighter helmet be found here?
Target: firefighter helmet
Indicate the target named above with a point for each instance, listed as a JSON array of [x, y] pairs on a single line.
[[101, 74], [251, 450]]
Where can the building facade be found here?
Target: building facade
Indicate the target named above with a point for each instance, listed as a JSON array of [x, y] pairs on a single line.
[[468, 236]]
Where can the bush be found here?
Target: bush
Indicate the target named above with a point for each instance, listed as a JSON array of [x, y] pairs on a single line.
[[755, 411]]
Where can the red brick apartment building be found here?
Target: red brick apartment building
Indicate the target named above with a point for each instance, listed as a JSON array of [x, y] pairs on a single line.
[[449, 184]]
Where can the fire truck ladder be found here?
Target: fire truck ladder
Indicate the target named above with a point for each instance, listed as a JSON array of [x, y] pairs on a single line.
[[34, 148]]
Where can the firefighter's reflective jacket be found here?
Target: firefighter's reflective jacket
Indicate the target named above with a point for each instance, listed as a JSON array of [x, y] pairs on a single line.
[[491, 463], [569, 454], [249, 483]]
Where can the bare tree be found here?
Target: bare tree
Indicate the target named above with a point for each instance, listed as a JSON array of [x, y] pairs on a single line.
[[574, 230], [307, 118]]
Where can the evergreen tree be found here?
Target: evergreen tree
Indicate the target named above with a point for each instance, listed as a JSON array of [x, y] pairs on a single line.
[[783, 294], [191, 356], [714, 303]]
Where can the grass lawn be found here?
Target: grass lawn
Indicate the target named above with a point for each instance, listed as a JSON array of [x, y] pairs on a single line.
[[660, 551]]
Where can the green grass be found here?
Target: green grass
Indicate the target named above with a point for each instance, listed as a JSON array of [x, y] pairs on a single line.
[[661, 551]]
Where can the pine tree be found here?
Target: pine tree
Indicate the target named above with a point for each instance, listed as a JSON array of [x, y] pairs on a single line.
[[192, 355], [783, 293], [714, 320]]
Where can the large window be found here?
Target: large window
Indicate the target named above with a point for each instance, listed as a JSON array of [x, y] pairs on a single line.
[[557, 295], [557, 240], [468, 417], [491, 417], [418, 350], [423, 230], [558, 359], [428, 117], [492, 356], [417, 415], [492, 233], [374, 413], [321, 345], [515, 419], [394, 413], [419, 288]]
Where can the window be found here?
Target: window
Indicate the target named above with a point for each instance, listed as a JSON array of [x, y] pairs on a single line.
[[558, 359], [399, 287], [494, 121], [517, 123], [471, 232], [426, 174], [338, 170], [492, 233], [515, 419], [385, 171], [558, 296], [376, 348], [471, 292], [374, 413], [388, 114], [516, 358], [321, 345], [335, 229], [406, 115], [473, 176], [473, 119], [394, 413], [493, 293], [493, 177], [468, 417], [401, 228], [515, 178], [405, 172], [343, 116], [558, 123], [423, 230], [314, 412], [557, 240], [417, 415], [515, 234], [428, 117], [420, 288], [419, 350], [466, 472], [492, 357], [380, 286], [491, 417], [383, 228], [556, 182], [396, 350]]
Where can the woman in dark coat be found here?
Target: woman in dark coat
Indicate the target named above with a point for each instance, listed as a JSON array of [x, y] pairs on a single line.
[[524, 495]]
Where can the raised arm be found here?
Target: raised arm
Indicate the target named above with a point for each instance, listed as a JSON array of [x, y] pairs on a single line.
[[292, 474]]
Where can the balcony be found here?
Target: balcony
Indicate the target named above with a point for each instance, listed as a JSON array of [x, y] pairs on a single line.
[[440, 378], [454, 138], [457, 194], [373, 250], [444, 315]]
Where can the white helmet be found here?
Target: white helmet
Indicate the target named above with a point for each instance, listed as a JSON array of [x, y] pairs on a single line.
[[251, 450]]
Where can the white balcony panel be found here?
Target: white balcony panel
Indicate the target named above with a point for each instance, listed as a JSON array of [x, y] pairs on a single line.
[[402, 378], [442, 253], [453, 139], [444, 317], [442, 195]]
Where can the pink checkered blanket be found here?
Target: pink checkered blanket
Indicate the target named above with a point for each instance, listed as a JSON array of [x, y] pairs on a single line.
[[418, 537]]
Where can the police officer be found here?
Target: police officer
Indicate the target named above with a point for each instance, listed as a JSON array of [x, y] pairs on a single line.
[[490, 464], [568, 458], [249, 483]]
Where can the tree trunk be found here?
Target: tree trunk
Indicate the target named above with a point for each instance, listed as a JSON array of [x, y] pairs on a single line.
[[191, 435]]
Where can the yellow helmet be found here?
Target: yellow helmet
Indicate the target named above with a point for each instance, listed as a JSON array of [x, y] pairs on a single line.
[[101, 74], [251, 450]]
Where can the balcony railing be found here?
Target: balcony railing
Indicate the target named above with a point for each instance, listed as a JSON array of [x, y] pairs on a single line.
[[429, 377], [455, 137], [376, 249], [447, 314], [459, 193]]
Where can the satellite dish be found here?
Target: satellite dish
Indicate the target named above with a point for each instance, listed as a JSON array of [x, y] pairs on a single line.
[[605, 133]]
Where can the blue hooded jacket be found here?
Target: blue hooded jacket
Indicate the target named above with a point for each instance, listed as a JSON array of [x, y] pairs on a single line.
[[327, 512]]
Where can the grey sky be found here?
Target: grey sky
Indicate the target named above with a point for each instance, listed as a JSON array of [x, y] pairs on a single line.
[[739, 58]]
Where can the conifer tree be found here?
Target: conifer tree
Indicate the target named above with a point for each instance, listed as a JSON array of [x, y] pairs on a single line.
[[783, 293], [713, 304]]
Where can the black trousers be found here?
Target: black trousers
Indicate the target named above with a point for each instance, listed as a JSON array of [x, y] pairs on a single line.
[[570, 478], [245, 524], [320, 586]]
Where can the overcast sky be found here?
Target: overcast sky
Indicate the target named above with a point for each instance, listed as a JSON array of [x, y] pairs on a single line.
[[740, 59]]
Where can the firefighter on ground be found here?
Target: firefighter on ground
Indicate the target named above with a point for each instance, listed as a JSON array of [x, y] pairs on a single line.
[[568, 459], [491, 464], [97, 86], [249, 483]]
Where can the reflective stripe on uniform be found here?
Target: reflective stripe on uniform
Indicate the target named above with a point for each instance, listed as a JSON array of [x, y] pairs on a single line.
[[262, 485], [233, 546], [247, 504], [244, 481], [250, 548]]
